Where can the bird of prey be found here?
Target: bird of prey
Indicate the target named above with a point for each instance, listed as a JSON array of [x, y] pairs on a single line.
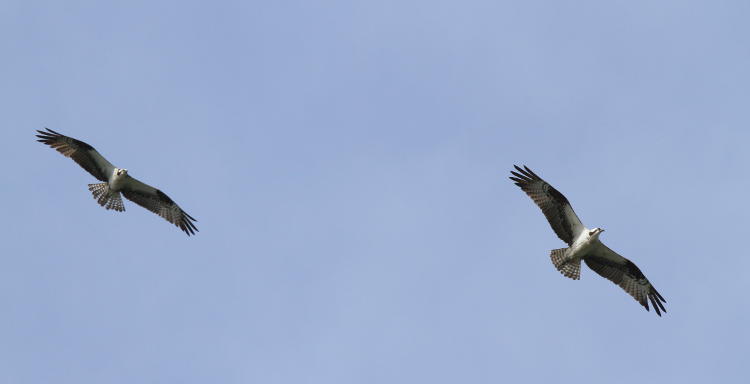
[[116, 181], [584, 244]]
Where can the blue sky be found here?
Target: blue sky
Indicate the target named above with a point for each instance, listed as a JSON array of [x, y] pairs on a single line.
[[347, 162]]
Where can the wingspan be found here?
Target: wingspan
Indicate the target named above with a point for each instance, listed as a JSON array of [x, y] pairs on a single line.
[[554, 205], [627, 275], [159, 203], [83, 154]]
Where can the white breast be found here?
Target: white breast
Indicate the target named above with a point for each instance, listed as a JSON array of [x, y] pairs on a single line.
[[116, 182], [581, 245]]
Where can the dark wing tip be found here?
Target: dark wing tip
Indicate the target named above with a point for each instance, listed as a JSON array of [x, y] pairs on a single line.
[[525, 173], [46, 137], [519, 177], [657, 294], [529, 171], [186, 224], [188, 227], [185, 221], [58, 140], [49, 132], [656, 307], [656, 301], [188, 216]]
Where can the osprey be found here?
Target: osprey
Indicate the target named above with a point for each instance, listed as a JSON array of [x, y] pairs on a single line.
[[584, 244], [116, 181]]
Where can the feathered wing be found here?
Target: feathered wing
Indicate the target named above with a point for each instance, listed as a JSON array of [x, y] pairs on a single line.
[[159, 203], [554, 205], [83, 154], [627, 275]]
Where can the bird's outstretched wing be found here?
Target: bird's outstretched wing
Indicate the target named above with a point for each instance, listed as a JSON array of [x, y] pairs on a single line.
[[159, 203], [83, 154], [554, 205], [627, 275]]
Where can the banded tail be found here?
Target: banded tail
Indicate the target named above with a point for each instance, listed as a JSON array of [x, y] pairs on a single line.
[[107, 198], [569, 268]]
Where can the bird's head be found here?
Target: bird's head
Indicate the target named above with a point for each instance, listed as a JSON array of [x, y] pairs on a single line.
[[594, 233], [121, 172]]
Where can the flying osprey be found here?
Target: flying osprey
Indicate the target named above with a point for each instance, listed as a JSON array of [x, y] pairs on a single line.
[[116, 180], [583, 243]]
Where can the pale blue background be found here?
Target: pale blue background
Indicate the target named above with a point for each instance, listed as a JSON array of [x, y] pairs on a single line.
[[347, 162]]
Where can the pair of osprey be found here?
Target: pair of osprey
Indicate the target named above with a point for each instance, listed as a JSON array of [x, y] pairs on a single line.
[[583, 243]]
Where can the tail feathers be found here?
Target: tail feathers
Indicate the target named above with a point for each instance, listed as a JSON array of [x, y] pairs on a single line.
[[569, 268], [107, 198]]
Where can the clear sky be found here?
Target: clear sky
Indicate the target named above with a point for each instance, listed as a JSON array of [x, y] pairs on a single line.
[[347, 162]]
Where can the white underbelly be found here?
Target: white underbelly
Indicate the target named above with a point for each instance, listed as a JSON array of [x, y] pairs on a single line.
[[579, 249], [116, 183]]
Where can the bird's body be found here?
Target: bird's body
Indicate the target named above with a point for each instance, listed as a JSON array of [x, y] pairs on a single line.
[[584, 244], [118, 179], [116, 182]]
